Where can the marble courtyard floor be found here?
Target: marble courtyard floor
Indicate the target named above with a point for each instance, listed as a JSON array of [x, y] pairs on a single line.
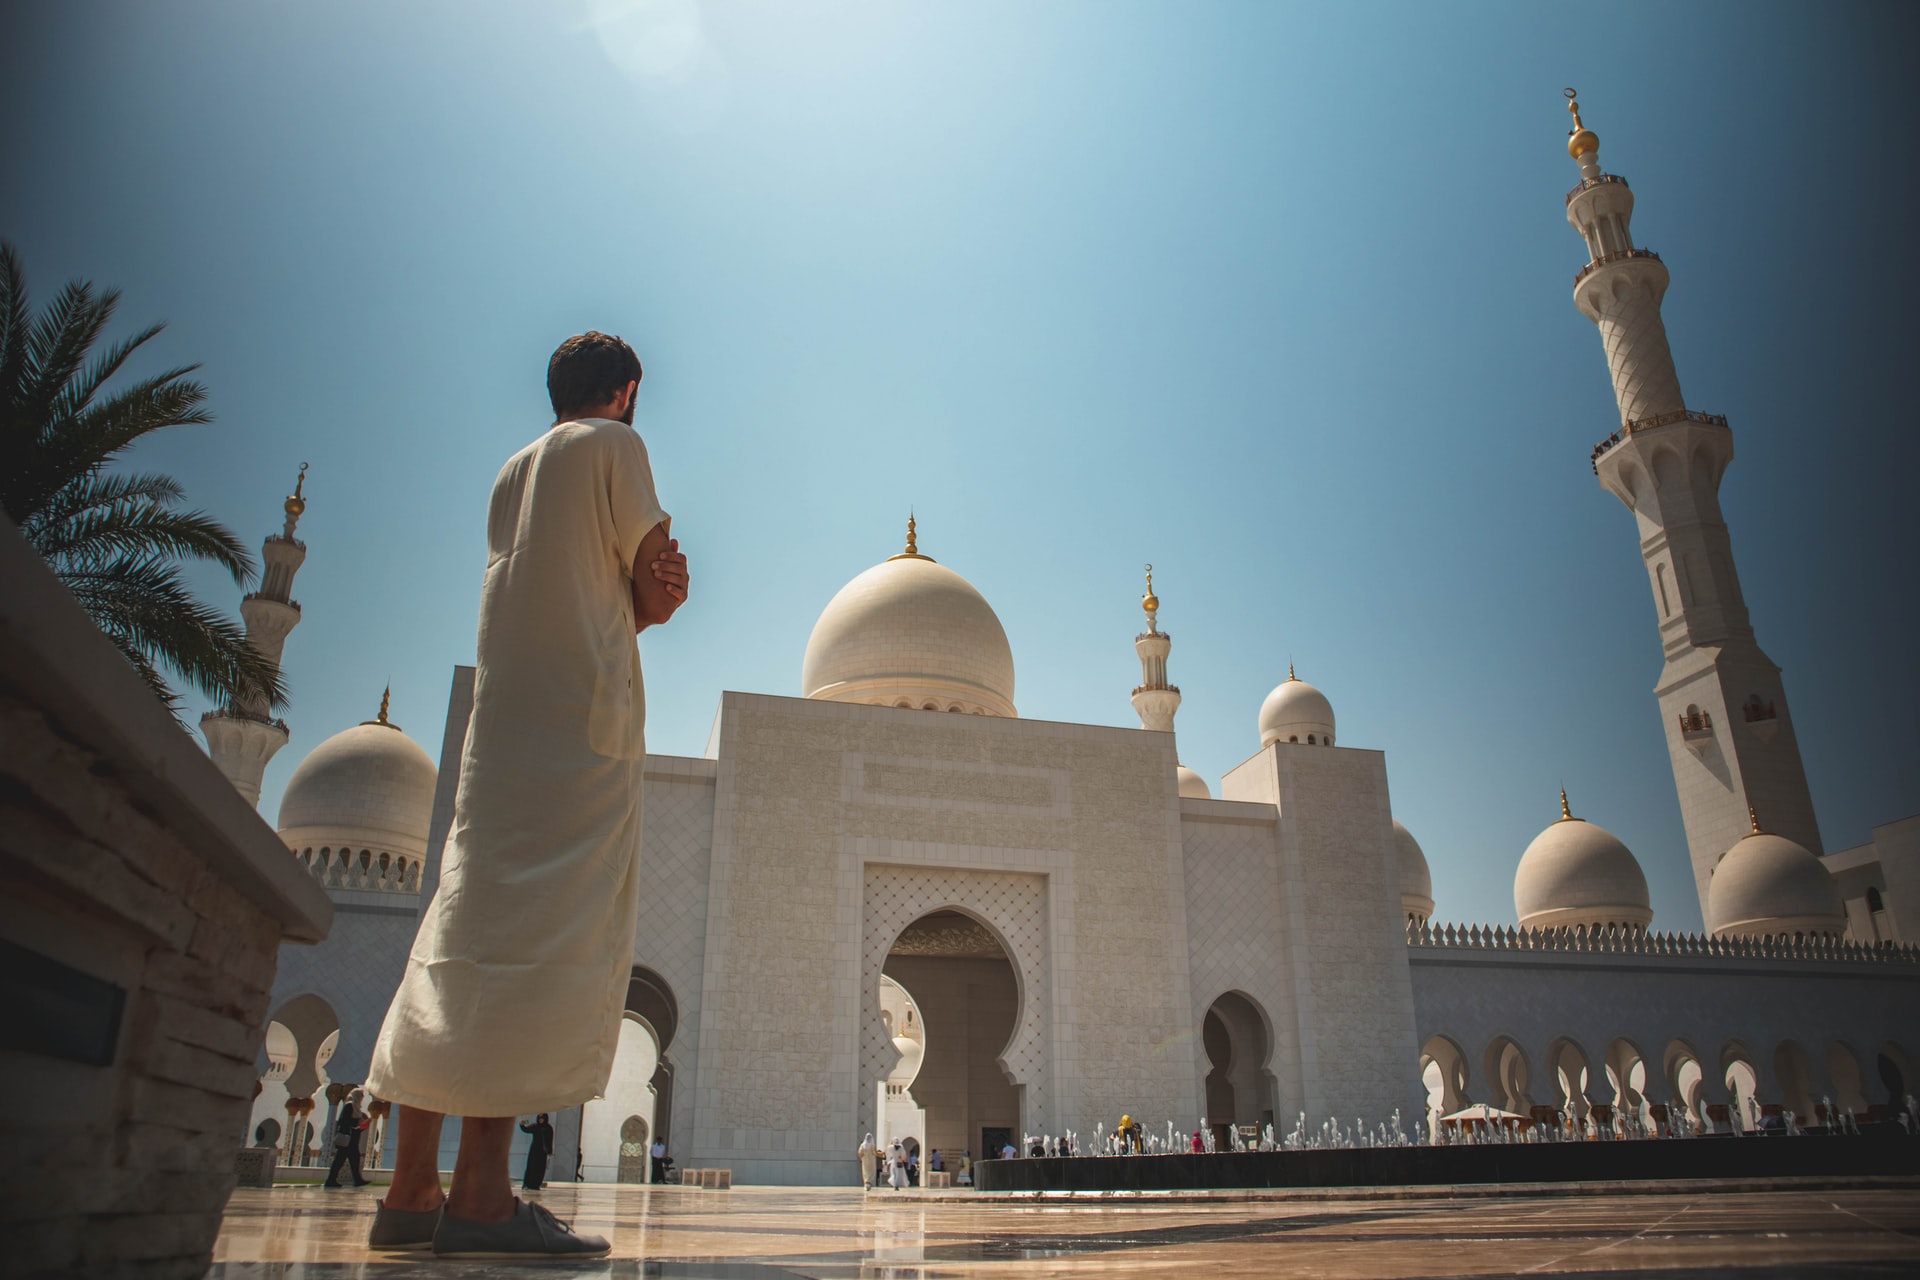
[[773, 1233]]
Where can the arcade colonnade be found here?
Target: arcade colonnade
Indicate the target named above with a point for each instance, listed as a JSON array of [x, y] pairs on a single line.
[[1622, 1027]]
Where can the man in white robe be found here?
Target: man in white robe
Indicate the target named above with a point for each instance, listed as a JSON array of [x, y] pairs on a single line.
[[513, 994]]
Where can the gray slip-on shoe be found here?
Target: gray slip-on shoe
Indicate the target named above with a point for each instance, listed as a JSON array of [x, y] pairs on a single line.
[[402, 1228], [532, 1232]]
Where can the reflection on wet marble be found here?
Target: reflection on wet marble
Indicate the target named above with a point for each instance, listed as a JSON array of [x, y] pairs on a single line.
[[784, 1233]]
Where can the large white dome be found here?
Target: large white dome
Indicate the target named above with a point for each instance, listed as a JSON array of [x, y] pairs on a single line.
[[910, 633], [1575, 873], [1296, 712], [1416, 881], [369, 787], [1767, 884]]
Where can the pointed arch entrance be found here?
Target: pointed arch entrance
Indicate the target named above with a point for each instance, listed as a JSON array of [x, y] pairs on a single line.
[[1240, 1084], [953, 923]]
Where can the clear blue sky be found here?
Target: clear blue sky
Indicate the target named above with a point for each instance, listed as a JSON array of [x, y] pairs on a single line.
[[1275, 297]]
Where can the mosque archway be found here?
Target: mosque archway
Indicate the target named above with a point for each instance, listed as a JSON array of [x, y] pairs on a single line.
[[1568, 1073], [1443, 1074], [1627, 1076], [1793, 1074], [1508, 1075], [960, 1012], [1742, 1082], [1684, 1076], [634, 1143], [629, 1095], [1895, 1070], [1239, 1044], [947, 922], [1849, 1089]]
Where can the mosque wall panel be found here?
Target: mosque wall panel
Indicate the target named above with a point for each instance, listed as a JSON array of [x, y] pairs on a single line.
[[811, 796], [1340, 903]]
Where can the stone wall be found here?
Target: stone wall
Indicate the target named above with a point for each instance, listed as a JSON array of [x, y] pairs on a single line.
[[1339, 913], [142, 905]]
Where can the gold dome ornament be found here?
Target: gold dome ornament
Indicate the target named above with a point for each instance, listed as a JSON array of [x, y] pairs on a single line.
[[1581, 139], [296, 504], [913, 543], [1150, 602]]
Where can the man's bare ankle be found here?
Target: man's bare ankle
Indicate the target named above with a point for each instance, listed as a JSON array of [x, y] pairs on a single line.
[[414, 1199], [481, 1208]]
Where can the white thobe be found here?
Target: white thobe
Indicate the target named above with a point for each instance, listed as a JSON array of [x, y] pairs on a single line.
[[515, 987]]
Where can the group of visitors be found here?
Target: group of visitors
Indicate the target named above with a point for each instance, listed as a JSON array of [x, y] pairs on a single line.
[[898, 1165]]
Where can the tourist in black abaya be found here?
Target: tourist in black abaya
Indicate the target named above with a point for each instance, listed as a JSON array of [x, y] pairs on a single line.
[[537, 1152]]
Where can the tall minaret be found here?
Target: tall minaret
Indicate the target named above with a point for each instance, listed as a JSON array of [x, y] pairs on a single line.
[[1155, 701], [242, 737], [1722, 699]]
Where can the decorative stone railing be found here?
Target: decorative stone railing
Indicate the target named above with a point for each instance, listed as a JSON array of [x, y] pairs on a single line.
[[361, 869], [1632, 425], [1607, 258], [1613, 940], [1599, 180]]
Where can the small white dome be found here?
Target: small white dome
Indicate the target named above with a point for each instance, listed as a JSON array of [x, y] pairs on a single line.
[[1296, 712], [1192, 785], [370, 786], [1767, 884], [1416, 881], [910, 632], [1575, 873]]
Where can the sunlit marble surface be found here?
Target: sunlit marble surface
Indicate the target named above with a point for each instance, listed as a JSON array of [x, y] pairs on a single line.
[[771, 1233]]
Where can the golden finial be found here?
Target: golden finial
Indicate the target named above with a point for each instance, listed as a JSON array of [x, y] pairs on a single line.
[[386, 701], [1290, 674], [1754, 818], [296, 504], [1581, 139], [1150, 602], [1566, 814], [913, 541]]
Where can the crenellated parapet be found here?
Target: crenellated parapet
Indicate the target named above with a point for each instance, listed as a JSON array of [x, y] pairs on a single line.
[[1619, 941]]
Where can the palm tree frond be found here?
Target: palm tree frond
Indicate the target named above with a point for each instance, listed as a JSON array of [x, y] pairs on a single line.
[[115, 529]]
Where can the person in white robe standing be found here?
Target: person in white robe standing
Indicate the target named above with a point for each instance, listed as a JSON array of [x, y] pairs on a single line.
[[513, 993], [897, 1166]]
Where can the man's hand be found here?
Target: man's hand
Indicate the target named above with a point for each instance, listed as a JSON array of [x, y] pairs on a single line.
[[671, 570], [659, 579]]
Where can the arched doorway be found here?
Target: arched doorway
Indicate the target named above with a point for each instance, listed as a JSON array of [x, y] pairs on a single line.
[[629, 1095], [1568, 1073], [633, 1150], [1239, 1082], [962, 988], [1896, 1074], [1508, 1075], [1443, 1074]]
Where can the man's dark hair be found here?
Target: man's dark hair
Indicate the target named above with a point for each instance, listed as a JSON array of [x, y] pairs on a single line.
[[587, 371]]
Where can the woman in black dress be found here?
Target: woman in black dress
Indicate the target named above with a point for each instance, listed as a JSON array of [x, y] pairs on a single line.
[[537, 1152]]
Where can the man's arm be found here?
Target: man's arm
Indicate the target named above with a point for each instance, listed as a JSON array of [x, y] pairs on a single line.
[[659, 579]]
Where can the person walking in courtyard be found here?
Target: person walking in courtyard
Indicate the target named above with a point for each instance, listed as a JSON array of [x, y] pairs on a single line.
[[869, 1155], [513, 995], [537, 1152], [897, 1166], [349, 1127]]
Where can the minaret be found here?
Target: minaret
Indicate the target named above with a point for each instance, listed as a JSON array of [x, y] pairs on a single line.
[[242, 737], [1722, 700], [1155, 700]]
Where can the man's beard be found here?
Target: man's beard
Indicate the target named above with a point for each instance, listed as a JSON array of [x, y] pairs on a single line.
[[627, 417]]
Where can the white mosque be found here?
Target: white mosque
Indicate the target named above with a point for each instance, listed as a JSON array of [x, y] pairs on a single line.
[[891, 905]]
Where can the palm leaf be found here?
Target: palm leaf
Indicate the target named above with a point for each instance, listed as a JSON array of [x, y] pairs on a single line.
[[116, 540]]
